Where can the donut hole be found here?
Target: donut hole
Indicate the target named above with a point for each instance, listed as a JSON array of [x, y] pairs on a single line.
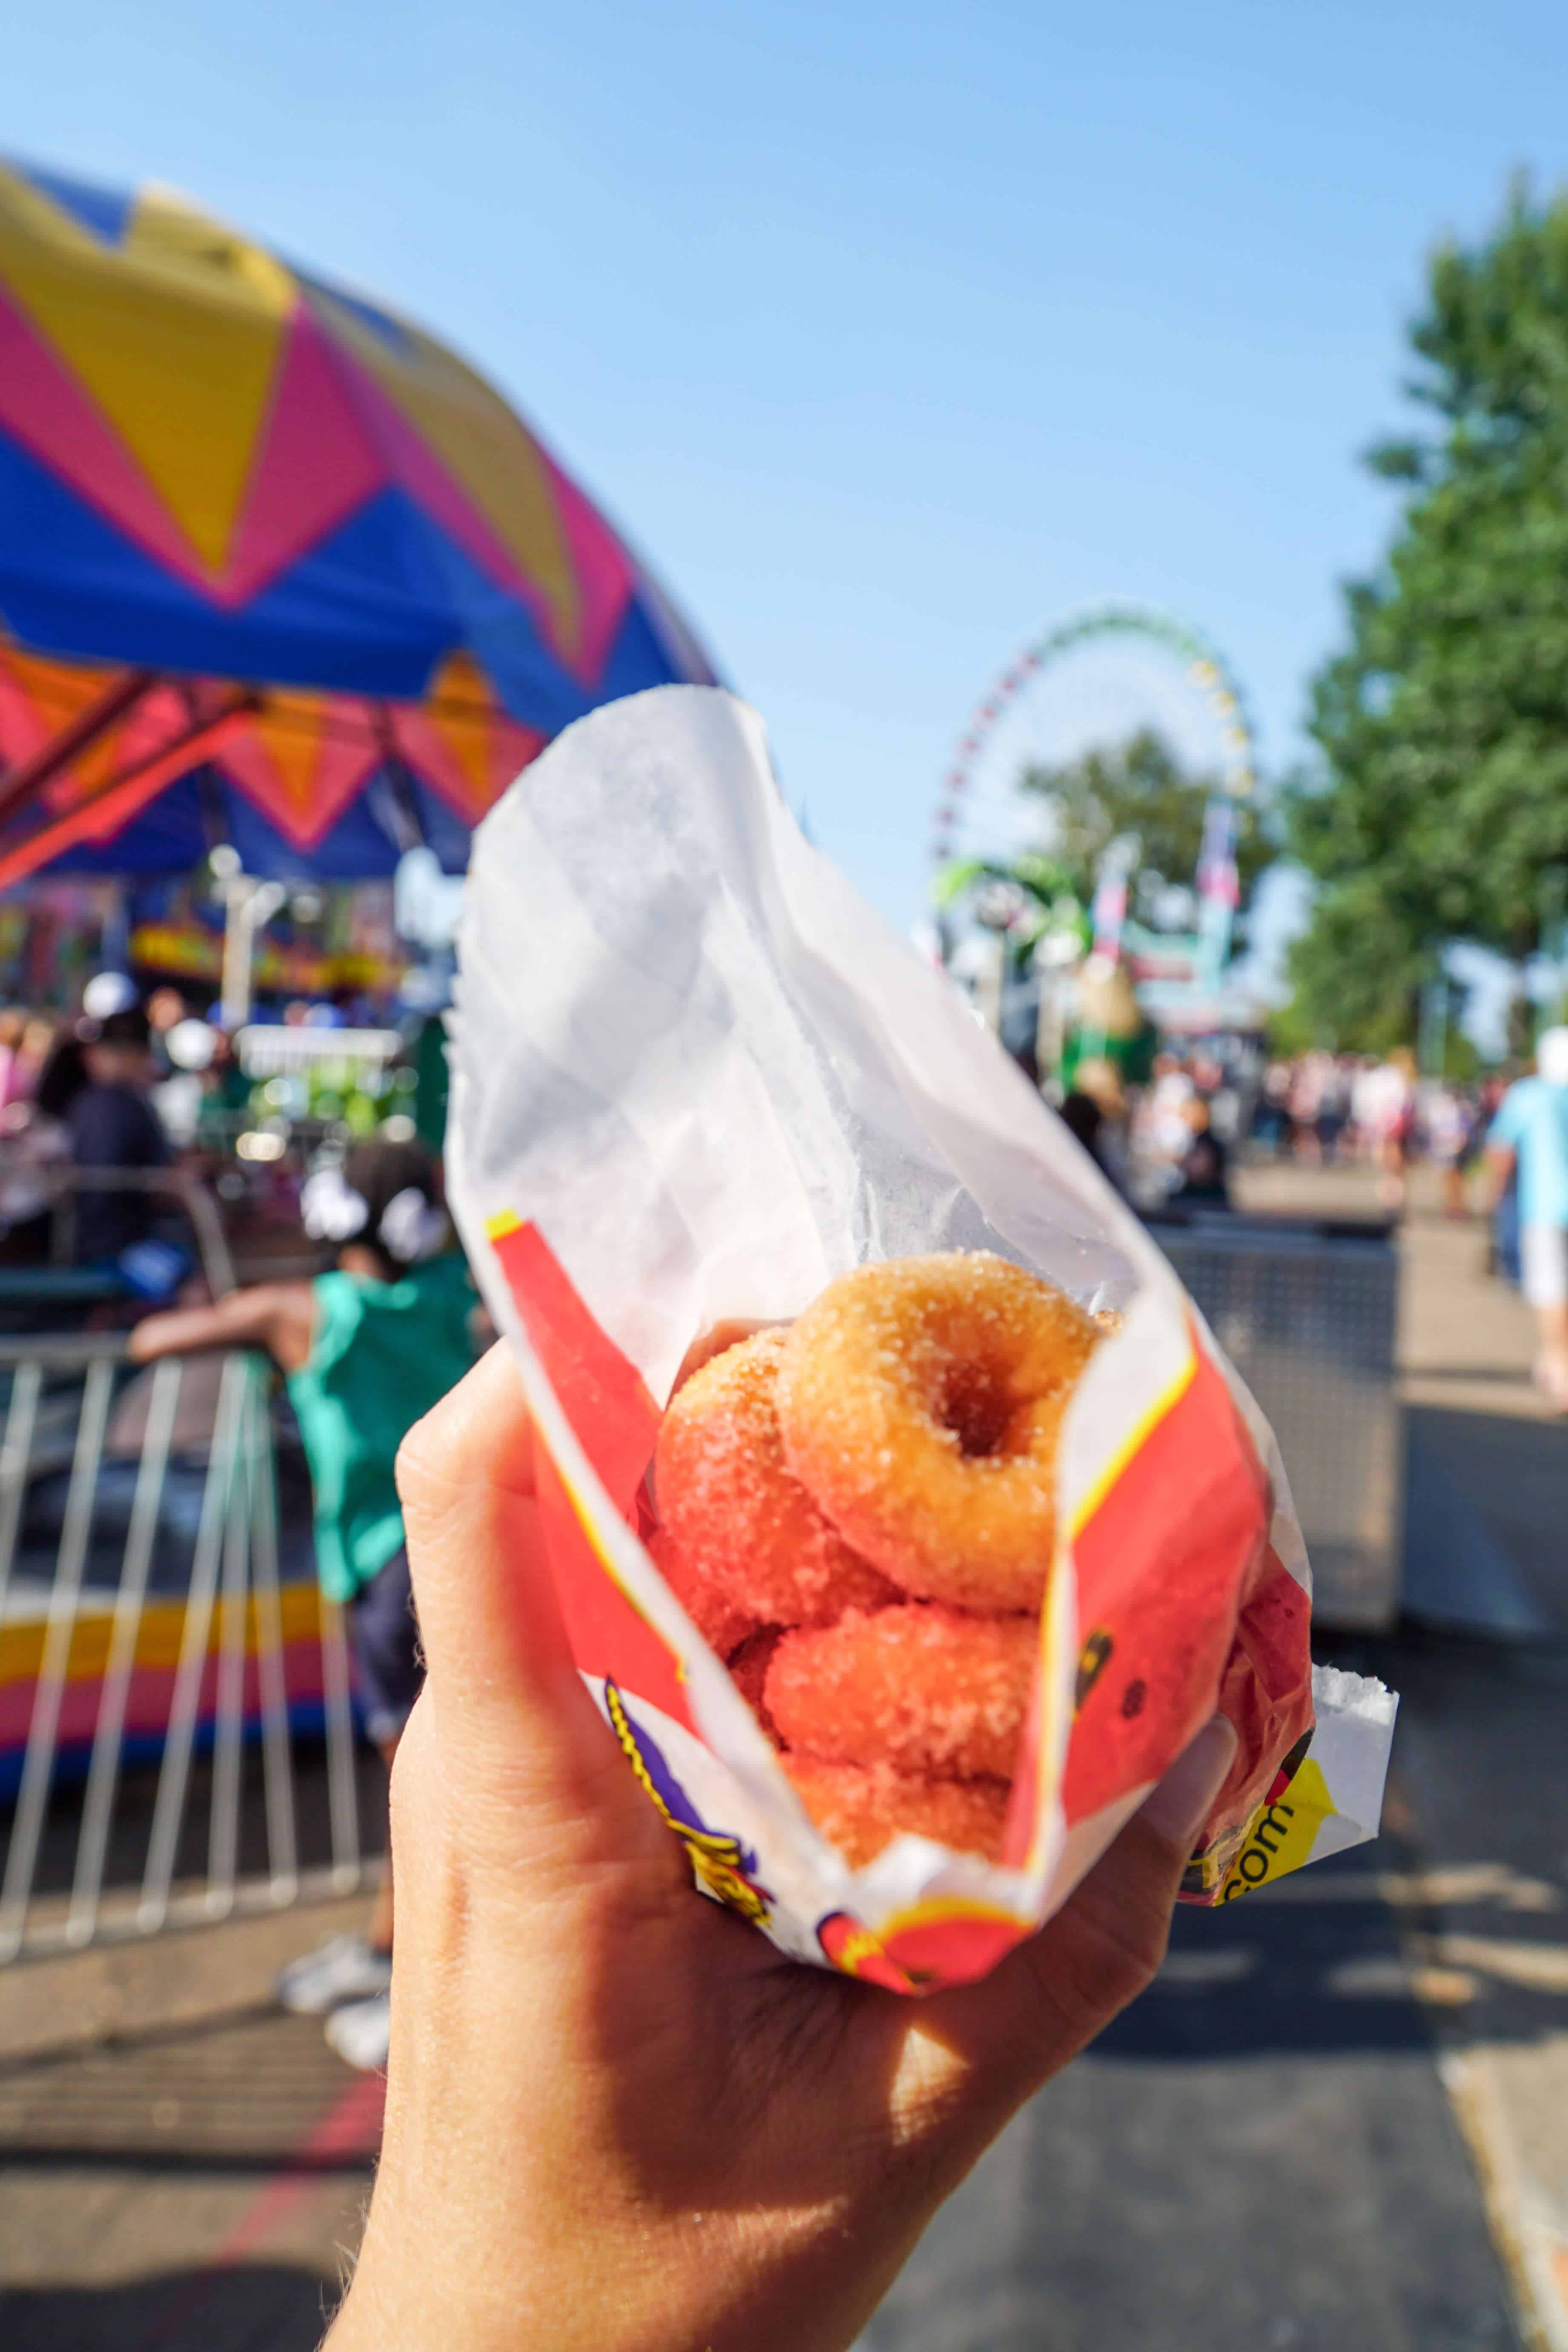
[[977, 1410]]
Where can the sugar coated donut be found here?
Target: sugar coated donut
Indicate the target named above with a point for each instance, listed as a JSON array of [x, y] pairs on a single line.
[[920, 1404], [749, 1666], [722, 1623], [739, 1542], [921, 1687], [862, 1808]]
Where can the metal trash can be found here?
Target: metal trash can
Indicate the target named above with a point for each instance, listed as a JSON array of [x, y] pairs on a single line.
[[1306, 1310]]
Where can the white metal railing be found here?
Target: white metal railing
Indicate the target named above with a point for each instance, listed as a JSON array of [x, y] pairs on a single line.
[[58, 1187], [268, 1050], [98, 1665]]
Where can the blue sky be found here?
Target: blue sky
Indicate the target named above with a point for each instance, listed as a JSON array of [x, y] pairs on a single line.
[[890, 333]]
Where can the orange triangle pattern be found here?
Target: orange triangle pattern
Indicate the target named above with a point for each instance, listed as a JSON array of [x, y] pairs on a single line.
[[300, 759]]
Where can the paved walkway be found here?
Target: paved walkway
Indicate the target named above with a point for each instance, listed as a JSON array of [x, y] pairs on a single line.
[[183, 2169], [1339, 2123]]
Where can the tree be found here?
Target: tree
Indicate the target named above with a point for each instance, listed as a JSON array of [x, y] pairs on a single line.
[[1442, 809], [1356, 978], [1141, 787]]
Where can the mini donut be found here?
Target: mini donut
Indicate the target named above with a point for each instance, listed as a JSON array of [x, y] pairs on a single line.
[[860, 1808], [739, 1542], [920, 1402], [749, 1666], [922, 1687], [723, 1622]]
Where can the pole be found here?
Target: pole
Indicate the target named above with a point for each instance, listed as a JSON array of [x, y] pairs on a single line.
[[1432, 1042], [249, 906]]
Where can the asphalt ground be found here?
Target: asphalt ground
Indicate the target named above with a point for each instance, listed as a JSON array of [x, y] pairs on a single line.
[[1294, 2138], [1340, 2118]]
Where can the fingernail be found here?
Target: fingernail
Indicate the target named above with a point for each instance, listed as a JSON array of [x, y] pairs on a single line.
[[1176, 1810]]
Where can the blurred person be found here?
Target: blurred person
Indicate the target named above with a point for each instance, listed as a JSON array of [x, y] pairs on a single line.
[[225, 1093], [1504, 1236], [39, 1039], [1272, 1123], [62, 1073], [1528, 1138], [1502, 1208], [1085, 1121], [366, 1351], [1226, 1107], [1448, 1127], [12, 1030], [1333, 1108], [1363, 1090], [1164, 1119], [165, 1011], [617, 2118], [1205, 1178], [1388, 1106], [1303, 1107], [112, 1125], [166, 1008], [1100, 1079], [35, 1141], [1476, 1118]]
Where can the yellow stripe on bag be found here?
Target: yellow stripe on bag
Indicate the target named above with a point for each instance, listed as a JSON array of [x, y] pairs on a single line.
[[1280, 1836], [1164, 1403]]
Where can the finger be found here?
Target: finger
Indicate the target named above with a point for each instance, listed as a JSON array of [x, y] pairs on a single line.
[[512, 1717], [1056, 1992]]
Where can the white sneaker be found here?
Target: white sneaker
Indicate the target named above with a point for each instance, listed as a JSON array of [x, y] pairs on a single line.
[[344, 1969], [361, 2032]]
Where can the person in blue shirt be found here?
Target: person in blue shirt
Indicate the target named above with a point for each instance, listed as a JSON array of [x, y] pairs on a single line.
[[1529, 1139]]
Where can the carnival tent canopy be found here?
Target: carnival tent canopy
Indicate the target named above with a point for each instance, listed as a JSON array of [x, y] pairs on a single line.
[[275, 567]]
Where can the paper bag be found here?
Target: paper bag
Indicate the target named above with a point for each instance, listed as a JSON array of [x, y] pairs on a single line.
[[695, 1078]]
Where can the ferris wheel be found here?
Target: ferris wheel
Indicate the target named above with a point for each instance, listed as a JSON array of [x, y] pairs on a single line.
[[1189, 690]]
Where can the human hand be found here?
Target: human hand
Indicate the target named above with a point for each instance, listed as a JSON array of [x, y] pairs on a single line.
[[618, 2119]]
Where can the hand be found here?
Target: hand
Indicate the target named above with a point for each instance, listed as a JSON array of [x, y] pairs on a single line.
[[617, 2120]]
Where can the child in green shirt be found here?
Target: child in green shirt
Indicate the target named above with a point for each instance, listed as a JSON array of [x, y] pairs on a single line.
[[366, 1350]]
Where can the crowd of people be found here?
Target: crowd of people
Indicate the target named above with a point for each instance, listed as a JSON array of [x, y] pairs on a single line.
[[137, 1084], [1497, 1143], [1323, 1108], [77, 1095], [1175, 1140]]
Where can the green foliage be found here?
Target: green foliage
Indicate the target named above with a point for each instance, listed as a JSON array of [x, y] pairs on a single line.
[[1443, 809], [1141, 787], [1357, 977]]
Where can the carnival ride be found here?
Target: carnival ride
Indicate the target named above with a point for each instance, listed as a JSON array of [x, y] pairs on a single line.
[[983, 821]]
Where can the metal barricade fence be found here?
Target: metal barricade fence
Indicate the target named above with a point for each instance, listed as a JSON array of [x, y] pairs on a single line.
[[172, 1639], [1307, 1312]]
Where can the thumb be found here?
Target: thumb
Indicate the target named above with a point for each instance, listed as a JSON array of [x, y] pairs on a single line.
[[511, 1718]]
